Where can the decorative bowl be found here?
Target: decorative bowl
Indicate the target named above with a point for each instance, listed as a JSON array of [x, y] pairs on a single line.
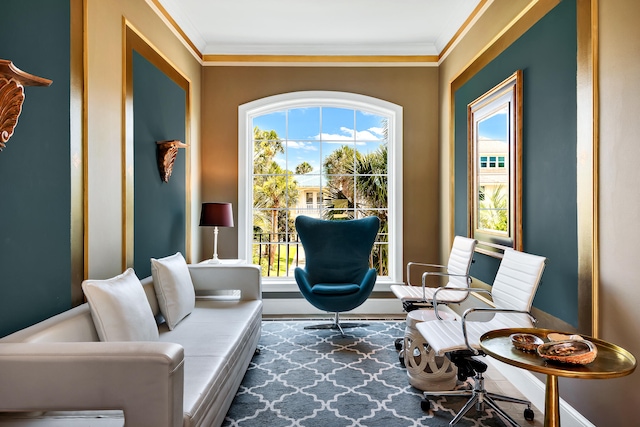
[[579, 352], [556, 336], [526, 342]]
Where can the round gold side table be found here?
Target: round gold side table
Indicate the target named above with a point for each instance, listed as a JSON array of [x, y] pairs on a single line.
[[611, 362]]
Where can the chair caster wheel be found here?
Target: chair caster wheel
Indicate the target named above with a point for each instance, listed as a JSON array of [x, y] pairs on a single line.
[[425, 404], [401, 359], [398, 343], [528, 414]]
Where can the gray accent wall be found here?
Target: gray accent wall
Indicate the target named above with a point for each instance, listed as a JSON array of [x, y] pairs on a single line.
[[547, 55], [159, 108], [35, 177]]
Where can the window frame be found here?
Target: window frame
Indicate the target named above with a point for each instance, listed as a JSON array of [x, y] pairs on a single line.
[[303, 99], [507, 95]]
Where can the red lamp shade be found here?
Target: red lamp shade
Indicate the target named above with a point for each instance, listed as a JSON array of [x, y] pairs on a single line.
[[216, 214]]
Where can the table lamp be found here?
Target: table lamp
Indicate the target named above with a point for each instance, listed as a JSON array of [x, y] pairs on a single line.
[[216, 215]]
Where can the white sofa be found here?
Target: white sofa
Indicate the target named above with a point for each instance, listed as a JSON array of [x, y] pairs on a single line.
[[58, 372]]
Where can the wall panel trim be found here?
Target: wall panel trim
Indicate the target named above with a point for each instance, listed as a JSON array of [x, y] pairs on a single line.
[[134, 40]]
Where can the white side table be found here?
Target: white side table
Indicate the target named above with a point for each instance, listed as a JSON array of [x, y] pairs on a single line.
[[427, 371]]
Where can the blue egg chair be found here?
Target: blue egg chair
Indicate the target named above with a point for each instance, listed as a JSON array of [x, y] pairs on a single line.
[[337, 276]]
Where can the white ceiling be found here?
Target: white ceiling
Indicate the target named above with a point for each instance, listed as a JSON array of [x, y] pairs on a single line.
[[320, 27]]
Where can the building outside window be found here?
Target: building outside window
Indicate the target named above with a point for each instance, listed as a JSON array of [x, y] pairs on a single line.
[[492, 162], [493, 182]]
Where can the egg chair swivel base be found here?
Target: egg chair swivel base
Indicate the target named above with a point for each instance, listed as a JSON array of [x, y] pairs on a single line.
[[337, 325], [337, 276]]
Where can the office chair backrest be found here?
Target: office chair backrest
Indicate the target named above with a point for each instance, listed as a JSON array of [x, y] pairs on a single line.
[[337, 251], [516, 282], [460, 260]]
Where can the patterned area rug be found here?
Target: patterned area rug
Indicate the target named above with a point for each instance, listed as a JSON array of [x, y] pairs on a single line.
[[317, 378]]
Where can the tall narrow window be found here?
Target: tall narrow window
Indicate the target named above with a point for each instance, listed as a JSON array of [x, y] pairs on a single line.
[[495, 157], [343, 152]]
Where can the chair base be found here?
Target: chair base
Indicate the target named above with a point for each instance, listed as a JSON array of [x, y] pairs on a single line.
[[336, 325], [478, 396], [409, 306]]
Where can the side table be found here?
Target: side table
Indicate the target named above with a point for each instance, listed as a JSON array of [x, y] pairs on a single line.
[[425, 370], [611, 362]]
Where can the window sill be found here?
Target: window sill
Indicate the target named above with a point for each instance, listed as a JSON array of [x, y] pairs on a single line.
[[278, 286]]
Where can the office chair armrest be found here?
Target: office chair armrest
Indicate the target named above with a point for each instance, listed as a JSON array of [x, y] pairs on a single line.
[[488, 310], [434, 301], [410, 264], [437, 273]]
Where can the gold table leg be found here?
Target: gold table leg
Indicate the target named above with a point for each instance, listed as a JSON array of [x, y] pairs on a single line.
[[552, 402]]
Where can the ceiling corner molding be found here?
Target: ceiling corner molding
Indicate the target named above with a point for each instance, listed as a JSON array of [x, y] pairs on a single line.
[[480, 9], [531, 14], [175, 28]]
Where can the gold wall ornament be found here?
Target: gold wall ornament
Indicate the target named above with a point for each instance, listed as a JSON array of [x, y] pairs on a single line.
[[11, 99], [12, 82], [166, 155]]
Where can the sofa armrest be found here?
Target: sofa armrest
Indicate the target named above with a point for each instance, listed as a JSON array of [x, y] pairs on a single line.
[[208, 279], [143, 379]]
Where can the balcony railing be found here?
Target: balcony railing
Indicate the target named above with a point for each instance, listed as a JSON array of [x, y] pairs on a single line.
[[280, 253]]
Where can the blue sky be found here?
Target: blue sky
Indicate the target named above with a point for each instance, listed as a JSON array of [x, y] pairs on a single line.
[[313, 133], [494, 127]]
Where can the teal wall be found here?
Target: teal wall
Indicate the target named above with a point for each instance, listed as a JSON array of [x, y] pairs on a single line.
[[159, 109], [35, 177], [547, 55]]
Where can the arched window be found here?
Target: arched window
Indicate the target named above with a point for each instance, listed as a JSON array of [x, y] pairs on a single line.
[[330, 155]]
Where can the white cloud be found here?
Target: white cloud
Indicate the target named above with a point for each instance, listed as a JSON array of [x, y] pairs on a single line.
[[368, 135], [371, 134], [377, 130], [297, 145], [334, 137]]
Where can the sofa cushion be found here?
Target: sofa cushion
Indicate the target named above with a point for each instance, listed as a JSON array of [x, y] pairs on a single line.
[[120, 309], [219, 338], [174, 289]]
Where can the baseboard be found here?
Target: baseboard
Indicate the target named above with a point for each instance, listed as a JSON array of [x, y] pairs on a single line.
[[533, 389]]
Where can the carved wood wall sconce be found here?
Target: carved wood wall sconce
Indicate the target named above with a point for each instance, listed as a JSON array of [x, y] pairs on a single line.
[[12, 82], [166, 155]]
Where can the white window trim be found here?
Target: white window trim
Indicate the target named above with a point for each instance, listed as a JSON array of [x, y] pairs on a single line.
[[392, 112]]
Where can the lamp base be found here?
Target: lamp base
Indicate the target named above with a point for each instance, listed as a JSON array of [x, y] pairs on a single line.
[[215, 259]]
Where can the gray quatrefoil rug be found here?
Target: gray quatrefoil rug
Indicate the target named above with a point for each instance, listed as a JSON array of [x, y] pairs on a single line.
[[317, 378]]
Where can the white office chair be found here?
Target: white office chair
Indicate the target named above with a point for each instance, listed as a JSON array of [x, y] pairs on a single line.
[[512, 292], [414, 297], [457, 271]]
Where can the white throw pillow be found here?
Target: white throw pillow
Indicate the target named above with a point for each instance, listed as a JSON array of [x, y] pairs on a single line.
[[174, 288], [120, 309]]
